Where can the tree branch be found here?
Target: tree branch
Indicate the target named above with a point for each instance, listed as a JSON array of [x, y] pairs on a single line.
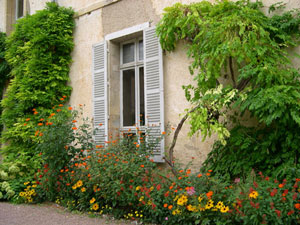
[[170, 159], [231, 71]]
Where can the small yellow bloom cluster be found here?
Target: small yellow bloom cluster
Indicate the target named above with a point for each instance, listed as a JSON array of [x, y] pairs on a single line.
[[78, 185], [181, 200], [29, 191], [253, 194], [136, 214], [176, 212]]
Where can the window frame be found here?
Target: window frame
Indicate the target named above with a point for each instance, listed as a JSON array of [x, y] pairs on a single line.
[[136, 65]]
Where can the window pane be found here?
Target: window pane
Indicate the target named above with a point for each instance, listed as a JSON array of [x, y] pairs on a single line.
[[20, 8], [128, 97], [141, 50], [142, 97], [128, 53]]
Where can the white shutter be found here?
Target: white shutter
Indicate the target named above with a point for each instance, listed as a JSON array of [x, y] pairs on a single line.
[[154, 99], [100, 92]]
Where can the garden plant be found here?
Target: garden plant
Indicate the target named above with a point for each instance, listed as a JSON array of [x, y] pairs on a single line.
[[241, 66]]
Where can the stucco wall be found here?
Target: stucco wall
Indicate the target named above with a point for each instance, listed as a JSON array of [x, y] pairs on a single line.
[[91, 28], [36, 5], [2, 15]]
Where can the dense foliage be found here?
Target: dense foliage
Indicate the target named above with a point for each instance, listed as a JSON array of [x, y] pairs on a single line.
[[240, 66], [4, 68], [122, 180], [38, 51]]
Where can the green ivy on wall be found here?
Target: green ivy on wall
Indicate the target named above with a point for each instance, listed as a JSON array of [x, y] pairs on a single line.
[[39, 53]]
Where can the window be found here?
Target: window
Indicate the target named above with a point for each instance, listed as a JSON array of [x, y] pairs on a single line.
[[132, 84], [19, 8], [131, 60]]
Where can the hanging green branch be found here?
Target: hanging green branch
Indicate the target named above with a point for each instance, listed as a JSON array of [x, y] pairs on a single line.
[[238, 43]]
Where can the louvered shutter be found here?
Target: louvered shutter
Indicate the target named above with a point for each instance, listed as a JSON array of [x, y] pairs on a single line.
[[154, 99], [100, 92]]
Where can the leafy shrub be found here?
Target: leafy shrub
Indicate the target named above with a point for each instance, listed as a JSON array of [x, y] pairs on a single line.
[[38, 51], [240, 65]]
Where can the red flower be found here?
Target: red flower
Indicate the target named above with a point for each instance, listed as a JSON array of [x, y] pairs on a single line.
[[281, 185], [255, 184], [278, 212], [158, 187], [297, 206], [290, 212], [274, 192], [295, 196]]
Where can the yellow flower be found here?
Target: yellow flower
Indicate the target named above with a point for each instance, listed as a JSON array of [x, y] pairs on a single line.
[[151, 189], [92, 200], [224, 209], [141, 198], [34, 186], [253, 194], [79, 183], [26, 183], [176, 211], [191, 208], [209, 204], [21, 194], [182, 200], [200, 198], [138, 188], [219, 205], [83, 189], [95, 206], [74, 186]]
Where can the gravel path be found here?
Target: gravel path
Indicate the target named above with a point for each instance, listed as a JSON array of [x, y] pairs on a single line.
[[48, 214]]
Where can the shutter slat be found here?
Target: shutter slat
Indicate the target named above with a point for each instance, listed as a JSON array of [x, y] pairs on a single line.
[[154, 91], [100, 92]]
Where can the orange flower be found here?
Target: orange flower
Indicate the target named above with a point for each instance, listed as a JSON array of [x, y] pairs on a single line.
[[52, 114], [50, 123], [25, 124], [33, 110], [100, 124], [171, 187], [64, 96], [35, 113], [40, 124], [210, 171], [76, 164], [74, 128], [208, 174], [188, 171], [165, 205], [209, 194], [58, 110], [60, 105], [41, 134], [297, 206], [27, 119], [137, 145], [163, 133], [41, 119], [74, 121], [179, 178], [62, 99], [142, 166], [170, 207], [70, 108], [281, 185], [199, 175]]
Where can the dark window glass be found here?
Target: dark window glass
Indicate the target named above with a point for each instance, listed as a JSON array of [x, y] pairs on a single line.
[[142, 97], [128, 97], [20, 8], [141, 50], [128, 53]]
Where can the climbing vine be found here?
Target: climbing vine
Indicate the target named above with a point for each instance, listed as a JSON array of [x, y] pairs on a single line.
[[240, 64], [39, 53]]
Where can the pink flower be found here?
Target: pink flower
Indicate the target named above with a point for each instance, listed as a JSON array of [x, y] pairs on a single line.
[[237, 180], [191, 191]]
